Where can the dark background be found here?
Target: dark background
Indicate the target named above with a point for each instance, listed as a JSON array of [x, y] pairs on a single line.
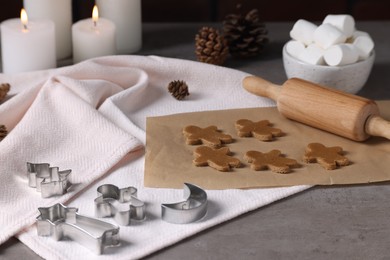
[[215, 10]]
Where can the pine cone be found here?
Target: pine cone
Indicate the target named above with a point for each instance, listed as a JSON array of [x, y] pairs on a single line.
[[211, 47], [178, 89], [4, 88], [245, 35], [3, 132]]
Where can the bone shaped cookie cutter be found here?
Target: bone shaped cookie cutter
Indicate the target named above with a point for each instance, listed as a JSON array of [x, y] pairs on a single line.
[[47, 180], [121, 204], [192, 209], [60, 222]]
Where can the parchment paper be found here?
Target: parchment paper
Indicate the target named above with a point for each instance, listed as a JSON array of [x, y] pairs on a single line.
[[168, 162]]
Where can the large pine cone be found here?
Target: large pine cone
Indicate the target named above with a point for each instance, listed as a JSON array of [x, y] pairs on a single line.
[[246, 34], [211, 47]]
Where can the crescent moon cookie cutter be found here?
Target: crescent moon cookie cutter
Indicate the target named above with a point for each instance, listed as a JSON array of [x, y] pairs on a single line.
[[48, 180], [121, 204], [191, 210], [60, 222]]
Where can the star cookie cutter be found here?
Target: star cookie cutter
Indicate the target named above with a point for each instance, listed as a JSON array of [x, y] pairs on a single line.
[[61, 222], [192, 209], [121, 204], [47, 180]]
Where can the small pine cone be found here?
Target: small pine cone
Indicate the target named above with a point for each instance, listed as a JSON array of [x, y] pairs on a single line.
[[246, 35], [210, 46], [4, 88], [3, 132], [178, 89]]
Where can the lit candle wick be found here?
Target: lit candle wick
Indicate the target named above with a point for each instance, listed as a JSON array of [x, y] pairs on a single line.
[[95, 15], [24, 19]]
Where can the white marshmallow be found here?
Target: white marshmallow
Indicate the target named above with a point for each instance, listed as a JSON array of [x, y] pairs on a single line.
[[359, 33], [344, 22], [355, 35], [341, 54], [294, 48], [327, 35], [303, 31], [312, 55], [364, 45]]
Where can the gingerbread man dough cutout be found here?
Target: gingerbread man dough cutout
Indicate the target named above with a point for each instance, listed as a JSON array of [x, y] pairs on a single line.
[[261, 130], [218, 159], [327, 157], [271, 160], [209, 136]]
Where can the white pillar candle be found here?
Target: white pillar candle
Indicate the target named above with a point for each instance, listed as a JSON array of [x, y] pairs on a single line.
[[60, 12], [126, 14], [27, 45], [93, 37]]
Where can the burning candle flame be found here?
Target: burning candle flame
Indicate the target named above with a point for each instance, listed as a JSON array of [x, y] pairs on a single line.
[[95, 15], [24, 18]]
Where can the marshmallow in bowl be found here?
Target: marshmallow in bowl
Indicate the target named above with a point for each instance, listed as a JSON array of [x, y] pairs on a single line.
[[344, 22], [356, 34], [335, 30], [295, 48], [303, 31], [312, 54], [327, 35], [364, 44], [341, 54]]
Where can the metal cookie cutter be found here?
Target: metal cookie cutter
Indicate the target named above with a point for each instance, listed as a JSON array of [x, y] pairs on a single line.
[[60, 222], [191, 210], [48, 180], [121, 204]]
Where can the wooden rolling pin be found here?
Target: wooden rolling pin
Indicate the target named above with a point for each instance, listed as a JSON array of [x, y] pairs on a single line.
[[325, 108]]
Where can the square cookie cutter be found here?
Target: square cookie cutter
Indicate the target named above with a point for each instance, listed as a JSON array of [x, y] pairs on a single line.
[[121, 204], [61, 222], [48, 180]]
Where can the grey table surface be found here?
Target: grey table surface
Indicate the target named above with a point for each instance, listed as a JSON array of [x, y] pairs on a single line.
[[323, 222]]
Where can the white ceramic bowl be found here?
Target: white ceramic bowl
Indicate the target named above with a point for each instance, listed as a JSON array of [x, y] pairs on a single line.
[[349, 78]]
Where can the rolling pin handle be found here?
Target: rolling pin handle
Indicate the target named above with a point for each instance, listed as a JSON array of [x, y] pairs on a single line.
[[261, 87], [378, 126]]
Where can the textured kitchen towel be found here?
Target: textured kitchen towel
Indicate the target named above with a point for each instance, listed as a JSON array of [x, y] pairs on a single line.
[[55, 120], [88, 117]]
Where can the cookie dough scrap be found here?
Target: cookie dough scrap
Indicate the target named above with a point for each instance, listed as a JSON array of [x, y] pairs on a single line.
[[209, 136], [261, 130], [218, 159], [272, 160], [327, 157]]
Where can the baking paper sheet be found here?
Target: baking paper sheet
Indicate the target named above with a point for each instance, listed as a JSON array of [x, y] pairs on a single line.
[[168, 161]]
